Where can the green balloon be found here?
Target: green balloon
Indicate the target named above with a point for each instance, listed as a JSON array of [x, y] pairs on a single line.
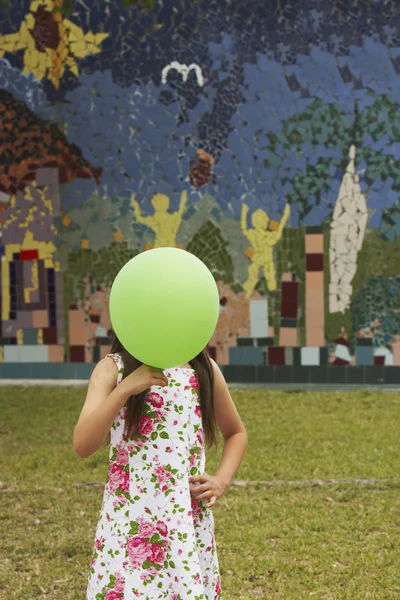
[[164, 307]]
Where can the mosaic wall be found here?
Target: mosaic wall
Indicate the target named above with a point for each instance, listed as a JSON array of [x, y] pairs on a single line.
[[264, 137]]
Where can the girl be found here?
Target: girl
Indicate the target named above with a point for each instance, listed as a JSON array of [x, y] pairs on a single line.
[[155, 536]]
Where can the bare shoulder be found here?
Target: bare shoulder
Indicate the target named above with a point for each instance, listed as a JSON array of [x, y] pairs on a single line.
[[226, 414], [104, 372], [219, 379]]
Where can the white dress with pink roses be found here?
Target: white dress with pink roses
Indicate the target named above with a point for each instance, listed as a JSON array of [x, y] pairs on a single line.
[[152, 541]]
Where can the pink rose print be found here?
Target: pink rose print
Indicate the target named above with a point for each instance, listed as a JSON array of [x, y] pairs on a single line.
[[119, 501], [122, 457], [193, 459], [119, 584], [137, 445], [146, 426], [197, 411], [112, 595], [162, 528], [146, 529], [218, 587], [98, 545], [194, 382], [196, 508], [117, 478], [139, 550], [155, 400], [200, 436], [158, 555], [162, 474]]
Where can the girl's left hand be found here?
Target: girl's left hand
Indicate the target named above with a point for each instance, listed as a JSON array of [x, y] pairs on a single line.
[[211, 488]]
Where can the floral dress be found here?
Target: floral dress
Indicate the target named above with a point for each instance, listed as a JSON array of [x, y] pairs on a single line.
[[152, 540]]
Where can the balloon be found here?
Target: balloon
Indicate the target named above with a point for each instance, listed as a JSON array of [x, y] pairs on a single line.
[[164, 307]]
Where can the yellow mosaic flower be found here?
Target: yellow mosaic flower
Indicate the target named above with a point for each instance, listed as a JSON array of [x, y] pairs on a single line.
[[51, 43]]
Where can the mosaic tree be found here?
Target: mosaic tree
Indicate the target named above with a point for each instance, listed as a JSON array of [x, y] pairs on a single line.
[[310, 153], [390, 224], [375, 308], [209, 245]]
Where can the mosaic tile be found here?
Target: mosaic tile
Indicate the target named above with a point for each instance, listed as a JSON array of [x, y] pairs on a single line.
[[288, 336], [276, 355], [258, 318], [30, 336], [245, 342], [40, 318], [50, 335], [264, 342], [11, 354], [26, 354], [364, 355], [56, 353], [76, 327], [77, 354], [315, 318], [288, 355], [245, 356], [310, 356]]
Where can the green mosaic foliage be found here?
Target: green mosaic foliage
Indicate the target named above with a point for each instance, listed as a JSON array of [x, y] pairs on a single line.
[[390, 224], [103, 265], [209, 246], [376, 306], [320, 125]]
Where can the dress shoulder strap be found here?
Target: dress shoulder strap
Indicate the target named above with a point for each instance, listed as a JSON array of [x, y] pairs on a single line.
[[117, 358]]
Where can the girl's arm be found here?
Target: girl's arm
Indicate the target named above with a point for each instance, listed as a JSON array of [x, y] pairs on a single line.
[[229, 422], [232, 429], [102, 404], [104, 401]]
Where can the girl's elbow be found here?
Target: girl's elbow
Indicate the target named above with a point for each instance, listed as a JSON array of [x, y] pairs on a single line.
[[245, 437], [79, 447], [79, 451]]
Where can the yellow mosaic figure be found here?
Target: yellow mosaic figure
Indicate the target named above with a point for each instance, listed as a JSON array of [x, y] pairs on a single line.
[[50, 43], [263, 242], [164, 224]]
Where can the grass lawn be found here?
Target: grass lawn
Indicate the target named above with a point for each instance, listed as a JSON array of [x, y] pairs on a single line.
[[286, 541]]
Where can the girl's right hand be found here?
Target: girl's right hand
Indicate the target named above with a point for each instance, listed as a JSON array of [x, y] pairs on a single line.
[[142, 379]]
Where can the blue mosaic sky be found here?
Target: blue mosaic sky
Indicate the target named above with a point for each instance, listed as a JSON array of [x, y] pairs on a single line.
[[315, 68]]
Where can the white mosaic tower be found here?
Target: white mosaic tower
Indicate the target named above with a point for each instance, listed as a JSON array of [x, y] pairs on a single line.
[[349, 223]]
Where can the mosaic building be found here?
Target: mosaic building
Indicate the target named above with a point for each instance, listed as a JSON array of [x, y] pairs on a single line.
[[263, 137]]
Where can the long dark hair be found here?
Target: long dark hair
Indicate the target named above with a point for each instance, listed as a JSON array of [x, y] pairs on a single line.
[[203, 368]]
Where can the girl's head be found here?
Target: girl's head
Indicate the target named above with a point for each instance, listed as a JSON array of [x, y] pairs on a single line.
[[205, 376]]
